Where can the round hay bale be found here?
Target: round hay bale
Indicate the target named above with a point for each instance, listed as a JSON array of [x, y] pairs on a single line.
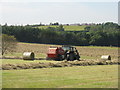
[[28, 56], [106, 57]]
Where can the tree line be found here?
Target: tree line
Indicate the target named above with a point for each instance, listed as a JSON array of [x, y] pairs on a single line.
[[105, 34]]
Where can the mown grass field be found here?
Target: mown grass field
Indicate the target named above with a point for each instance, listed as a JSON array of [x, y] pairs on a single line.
[[67, 28], [102, 76], [97, 76]]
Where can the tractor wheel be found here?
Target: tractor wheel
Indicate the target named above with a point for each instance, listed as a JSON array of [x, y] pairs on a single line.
[[71, 57], [77, 57]]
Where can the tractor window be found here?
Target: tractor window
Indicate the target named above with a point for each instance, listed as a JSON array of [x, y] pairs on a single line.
[[66, 48]]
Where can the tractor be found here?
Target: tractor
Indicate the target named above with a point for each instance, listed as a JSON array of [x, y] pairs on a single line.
[[65, 52]]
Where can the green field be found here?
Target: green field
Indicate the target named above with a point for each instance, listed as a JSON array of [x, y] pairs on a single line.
[[67, 28], [100, 76]]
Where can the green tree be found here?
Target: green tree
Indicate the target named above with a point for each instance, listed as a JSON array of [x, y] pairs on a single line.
[[60, 28]]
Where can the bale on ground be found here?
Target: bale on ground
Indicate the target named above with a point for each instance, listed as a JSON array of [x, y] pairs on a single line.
[[106, 57], [28, 56]]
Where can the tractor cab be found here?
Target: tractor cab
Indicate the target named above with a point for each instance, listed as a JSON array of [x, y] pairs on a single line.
[[68, 48], [71, 53]]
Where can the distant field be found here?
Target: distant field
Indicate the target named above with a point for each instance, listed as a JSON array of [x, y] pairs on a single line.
[[102, 76], [74, 28], [67, 28]]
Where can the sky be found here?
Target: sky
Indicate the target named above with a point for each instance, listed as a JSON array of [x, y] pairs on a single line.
[[17, 12]]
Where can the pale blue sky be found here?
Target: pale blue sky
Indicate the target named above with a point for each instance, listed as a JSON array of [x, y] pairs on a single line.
[[62, 12]]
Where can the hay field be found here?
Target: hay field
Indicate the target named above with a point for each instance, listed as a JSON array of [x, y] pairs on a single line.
[[96, 76], [86, 52], [102, 76]]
